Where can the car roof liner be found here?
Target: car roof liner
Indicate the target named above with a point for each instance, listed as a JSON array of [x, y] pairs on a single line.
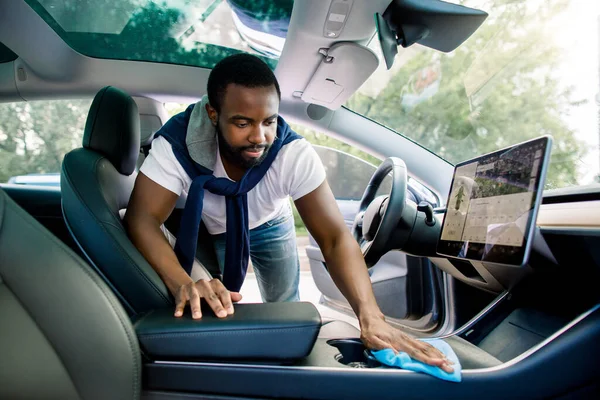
[[6, 54]]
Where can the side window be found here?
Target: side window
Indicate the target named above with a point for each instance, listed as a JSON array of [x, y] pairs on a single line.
[[349, 169], [35, 136], [348, 175]]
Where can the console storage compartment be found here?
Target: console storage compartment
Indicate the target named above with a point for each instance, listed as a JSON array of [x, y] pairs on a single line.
[[265, 332]]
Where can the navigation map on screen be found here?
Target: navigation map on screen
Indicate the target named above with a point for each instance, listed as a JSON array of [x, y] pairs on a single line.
[[491, 200]]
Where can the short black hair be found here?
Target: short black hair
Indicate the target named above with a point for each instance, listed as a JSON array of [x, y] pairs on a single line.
[[240, 69]]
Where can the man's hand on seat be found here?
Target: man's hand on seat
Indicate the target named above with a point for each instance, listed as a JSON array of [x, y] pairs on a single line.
[[213, 292]]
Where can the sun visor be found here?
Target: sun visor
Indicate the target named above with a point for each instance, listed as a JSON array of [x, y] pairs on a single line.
[[344, 68]]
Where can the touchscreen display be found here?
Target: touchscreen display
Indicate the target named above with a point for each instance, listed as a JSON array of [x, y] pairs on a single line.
[[493, 203]]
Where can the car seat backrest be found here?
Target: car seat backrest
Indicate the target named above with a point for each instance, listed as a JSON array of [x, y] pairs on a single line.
[[63, 334], [96, 184]]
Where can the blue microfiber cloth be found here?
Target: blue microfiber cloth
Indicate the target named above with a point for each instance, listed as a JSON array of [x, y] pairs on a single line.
[[403, 360]]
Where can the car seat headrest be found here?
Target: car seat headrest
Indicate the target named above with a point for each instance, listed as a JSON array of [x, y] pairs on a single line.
[[113, 128]]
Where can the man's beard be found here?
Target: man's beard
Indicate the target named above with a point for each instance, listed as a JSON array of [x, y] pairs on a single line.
[[235, 154]]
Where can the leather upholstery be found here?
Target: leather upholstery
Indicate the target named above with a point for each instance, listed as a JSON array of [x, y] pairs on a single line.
[[93, 193], [96, 183], [270, 331], [112, 128], [64, 334]]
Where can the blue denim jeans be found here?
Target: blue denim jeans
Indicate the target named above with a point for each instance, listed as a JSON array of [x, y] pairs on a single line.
[[274, 255]]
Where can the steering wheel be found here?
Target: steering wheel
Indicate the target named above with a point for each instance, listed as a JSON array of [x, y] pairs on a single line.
[[377, 218]]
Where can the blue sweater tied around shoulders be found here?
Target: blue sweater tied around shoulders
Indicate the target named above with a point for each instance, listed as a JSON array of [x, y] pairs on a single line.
[[237, 236]]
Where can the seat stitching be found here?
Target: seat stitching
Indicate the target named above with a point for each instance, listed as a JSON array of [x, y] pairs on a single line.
[[152, 336]]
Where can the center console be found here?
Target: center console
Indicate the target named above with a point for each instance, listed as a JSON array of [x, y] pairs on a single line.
[[267, 362]]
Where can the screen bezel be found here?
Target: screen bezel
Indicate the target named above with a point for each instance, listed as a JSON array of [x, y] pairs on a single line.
[[501, 254]]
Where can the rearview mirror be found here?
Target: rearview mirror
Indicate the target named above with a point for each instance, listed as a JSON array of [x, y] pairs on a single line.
[[432, 23]]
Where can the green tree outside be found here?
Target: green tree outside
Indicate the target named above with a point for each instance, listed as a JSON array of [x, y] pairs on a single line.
[[35, 136], [497, 89]]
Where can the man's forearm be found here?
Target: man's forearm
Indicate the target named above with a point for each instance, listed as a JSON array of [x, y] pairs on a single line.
[[349, 272], [147, 236]]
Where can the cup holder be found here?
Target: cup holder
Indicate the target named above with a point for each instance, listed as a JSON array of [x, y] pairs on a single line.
[[352, 353]]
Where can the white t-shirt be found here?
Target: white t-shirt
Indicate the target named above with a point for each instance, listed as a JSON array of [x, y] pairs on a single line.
[[296, 171]]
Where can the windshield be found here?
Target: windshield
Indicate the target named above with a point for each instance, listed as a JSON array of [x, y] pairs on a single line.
[[530, 70], [198, 33]]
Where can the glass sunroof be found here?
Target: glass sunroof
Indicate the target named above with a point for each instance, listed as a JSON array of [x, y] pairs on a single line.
[[188, 32]]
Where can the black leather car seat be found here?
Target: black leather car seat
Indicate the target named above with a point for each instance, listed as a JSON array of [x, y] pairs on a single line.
[[63, 333], [96, 183]]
